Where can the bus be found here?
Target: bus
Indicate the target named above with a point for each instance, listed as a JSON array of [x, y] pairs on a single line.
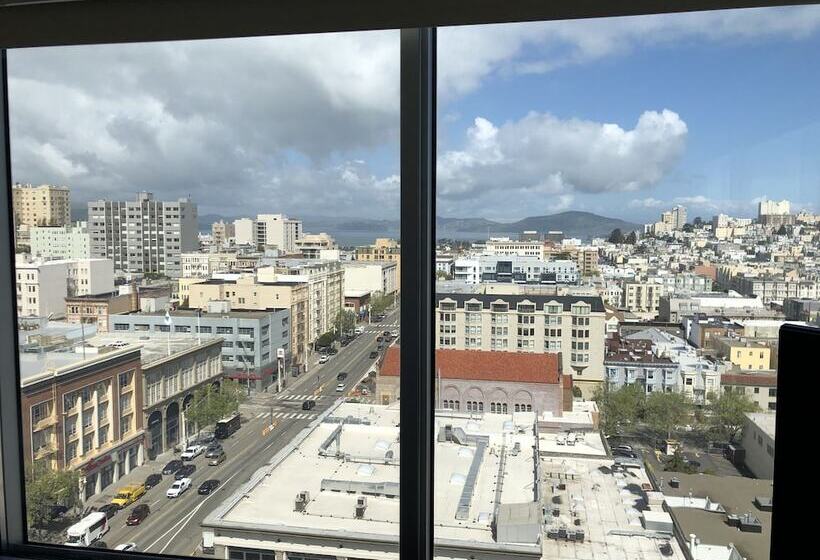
[[227, 426], [89, 529]]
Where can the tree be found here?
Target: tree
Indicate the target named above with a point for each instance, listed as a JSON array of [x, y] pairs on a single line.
[[345, 321], [621, 408], [783, 230], [666, 411], [441, 275], [379, 304], [632, 238], [688, 228], [211, 404], [616, 236], [46, 487], [727, 413], [325, 339], [576, 391]]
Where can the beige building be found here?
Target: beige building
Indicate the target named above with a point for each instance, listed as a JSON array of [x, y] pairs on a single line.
[[572, 325], [247, 293], [221, 232], [325, 283], [383, 250], [311, 245], [744, 353], [44, 205], [97, 308], [759, 386], [203, 265], [643, 297]]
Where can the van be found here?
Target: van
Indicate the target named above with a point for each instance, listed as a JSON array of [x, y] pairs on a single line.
[[89, 529], [127, 495], [207, 542]]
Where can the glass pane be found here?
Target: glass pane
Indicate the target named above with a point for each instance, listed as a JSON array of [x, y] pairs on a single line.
[[208, 268], [627, 214]]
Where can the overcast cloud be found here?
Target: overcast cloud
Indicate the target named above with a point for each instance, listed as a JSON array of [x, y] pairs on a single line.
[[309, 124]]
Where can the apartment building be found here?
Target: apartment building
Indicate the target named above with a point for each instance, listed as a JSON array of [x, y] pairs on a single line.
[[42, 286], [773, 288], [244, 231], [383, 249], [760, 386], [587, 260], [313, 245], [674, 307], [145, 235], [372, 277], [506, 247], [744, 353], [630, 362], [250, 339], [221, 234], [205, 265], [758, 443], [325, 284], [245, 292], [60, 242], [571, 325], [514, 269], [43, 205], [277, 230], [643, 297], [97, 309], [80, 411]]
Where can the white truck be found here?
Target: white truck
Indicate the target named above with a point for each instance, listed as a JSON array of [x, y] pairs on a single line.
[[192, 452], [178, 487], [87, 530]]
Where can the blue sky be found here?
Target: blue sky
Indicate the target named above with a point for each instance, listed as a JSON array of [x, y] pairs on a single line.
[[751, 107], [624, 117]]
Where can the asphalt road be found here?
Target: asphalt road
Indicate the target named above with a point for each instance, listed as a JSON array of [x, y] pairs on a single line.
[[173, 526]]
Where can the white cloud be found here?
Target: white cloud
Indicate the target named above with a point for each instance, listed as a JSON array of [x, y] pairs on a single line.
[[541, 157], [648, 202]]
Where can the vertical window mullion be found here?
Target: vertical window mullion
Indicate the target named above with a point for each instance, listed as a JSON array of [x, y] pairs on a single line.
[[418, 133]]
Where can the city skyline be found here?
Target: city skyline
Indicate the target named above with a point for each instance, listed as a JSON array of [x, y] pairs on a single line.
[[699, 109]]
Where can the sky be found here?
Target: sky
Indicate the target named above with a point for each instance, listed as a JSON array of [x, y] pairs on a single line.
[[624, 117]]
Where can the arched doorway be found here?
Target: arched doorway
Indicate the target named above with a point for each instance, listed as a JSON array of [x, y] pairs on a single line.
[[155, 434], [172, 424]]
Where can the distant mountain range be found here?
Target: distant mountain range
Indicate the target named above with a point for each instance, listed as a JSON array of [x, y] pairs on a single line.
[[349, 230]]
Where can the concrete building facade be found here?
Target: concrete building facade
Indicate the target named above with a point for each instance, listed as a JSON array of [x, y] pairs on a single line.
[[43, 205], [60, 242], [373, 277]]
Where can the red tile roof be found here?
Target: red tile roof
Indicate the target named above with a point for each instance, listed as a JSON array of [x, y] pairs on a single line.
[[749, 379], [486, 366]]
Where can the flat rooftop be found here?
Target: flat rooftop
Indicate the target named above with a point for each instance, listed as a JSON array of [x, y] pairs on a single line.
[[233, 313], [736, 494], [360, 458]]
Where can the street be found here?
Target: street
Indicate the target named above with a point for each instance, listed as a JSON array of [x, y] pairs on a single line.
[[172, 527]]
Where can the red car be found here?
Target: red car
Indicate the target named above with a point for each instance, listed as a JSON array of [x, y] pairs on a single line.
[[138, 514]]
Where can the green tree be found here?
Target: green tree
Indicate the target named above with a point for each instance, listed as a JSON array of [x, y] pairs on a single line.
[[678, 463], [325, 339], [211, 404], [620, 409], [617, 236], [632, 238], [46, 487], [345, 321], [665, 411], [379, 304], [688, 228], [441, 275], [727, 413]]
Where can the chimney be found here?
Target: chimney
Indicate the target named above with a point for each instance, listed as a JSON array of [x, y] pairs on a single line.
[[135, 297]]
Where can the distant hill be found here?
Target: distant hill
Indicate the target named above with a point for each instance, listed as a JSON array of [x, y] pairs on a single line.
[[573, 223]]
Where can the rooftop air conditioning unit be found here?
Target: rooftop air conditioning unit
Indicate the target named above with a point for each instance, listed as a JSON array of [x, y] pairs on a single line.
[[302, 498], [361, 505]]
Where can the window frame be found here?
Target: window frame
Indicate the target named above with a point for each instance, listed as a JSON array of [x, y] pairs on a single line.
[[79, 22]]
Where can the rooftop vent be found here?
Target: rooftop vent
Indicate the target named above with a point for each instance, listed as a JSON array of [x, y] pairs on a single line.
[[361, 505], [302, 499]]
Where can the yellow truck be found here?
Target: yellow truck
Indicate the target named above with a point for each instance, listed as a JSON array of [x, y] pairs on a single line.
[[127, 495]]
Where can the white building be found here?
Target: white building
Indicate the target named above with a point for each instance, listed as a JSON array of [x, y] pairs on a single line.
[[514, 269], [60, 242], [314, 245], [42, 286], [505, 247], [244, 231], [279, 231], [758, 441], [376, 277], [773, 208], [143, 236]]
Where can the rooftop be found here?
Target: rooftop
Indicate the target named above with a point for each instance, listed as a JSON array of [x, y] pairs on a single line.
[[765, 421], [233, 313], [521, 367], [596, 303], [365, 457]]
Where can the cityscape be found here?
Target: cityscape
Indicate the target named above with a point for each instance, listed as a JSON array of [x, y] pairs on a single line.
[[208, 288]]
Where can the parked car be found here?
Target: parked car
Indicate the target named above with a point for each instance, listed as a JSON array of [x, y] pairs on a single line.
[[374, 354], [344, 341], [129, 546], [178, 487], [340, 388], [192, 452], [172, 466], [213, 450], [152, 480], [208, 486], [624, 447], [622, 453], [308, 404], [358, 330], [137, 514], [184, 472], [110, 510], [206, 438], [341, 376], [217, 459], [323, 358], [332, 351]]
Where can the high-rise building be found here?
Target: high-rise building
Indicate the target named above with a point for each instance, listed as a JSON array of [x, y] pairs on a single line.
[[221, 232], [44, 205], [279, 231], [384, 249], [774, 213], [144, 236]]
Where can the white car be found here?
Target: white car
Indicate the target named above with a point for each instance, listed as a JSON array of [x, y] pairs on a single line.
[[323, 358], [192, 452], [394, 334], [178, 487], [340, 388], [131, 546], [359, 330]]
